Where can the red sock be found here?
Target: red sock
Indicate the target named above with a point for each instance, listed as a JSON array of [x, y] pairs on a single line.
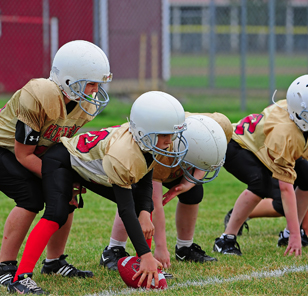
[[149, 242], [35, 245]]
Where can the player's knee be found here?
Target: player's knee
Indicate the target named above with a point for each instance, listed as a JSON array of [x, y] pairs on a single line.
[[59, 216], [191, 200], [193, 196]]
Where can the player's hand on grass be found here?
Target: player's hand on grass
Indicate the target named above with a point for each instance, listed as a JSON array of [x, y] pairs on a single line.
[[162, 255], [294, 246]]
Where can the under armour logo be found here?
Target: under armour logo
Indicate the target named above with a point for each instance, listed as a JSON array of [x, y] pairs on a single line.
[[34, 139]]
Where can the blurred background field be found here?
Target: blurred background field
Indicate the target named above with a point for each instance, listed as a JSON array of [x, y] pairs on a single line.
[[232, 49]]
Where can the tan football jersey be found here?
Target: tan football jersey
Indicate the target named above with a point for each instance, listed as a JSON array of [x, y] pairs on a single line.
[[40, 105], [274, 138], [109, 156], [166, 175]]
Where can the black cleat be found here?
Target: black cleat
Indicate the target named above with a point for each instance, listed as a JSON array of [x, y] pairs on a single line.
[[62, 267], [284, 241], [193, 253], [227, 245], [7, 271], [111, 257], [25, 285], [226, 221], [304, 238], [167, 275]]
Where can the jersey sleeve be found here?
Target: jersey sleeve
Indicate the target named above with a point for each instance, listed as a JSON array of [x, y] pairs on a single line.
[[283, 149], [124, 163], [117, 172], [29, 111]]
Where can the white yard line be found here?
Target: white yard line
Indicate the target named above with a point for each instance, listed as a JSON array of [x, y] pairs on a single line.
[[214, 280]]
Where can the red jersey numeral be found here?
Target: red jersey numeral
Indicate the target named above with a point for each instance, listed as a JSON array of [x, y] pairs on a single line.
[[89, 140], [250, 122]]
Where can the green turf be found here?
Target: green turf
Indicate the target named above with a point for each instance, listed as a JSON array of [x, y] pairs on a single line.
[[231, 275]]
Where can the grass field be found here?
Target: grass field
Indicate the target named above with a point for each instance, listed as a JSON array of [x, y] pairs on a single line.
[[262, 270], [192, 71]]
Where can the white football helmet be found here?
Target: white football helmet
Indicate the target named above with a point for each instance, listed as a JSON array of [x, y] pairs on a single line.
[[207, 148], [155, 113], [77, 63], [297, 99]]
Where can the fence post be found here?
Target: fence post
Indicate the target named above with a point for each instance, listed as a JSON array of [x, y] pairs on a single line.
[[212, 45], [272, 47], [243, 53]]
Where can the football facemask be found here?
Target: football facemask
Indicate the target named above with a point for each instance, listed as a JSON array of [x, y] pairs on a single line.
[[175, 157], [99, 100]]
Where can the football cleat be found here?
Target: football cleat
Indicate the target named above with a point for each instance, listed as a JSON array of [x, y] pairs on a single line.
[[25, 285], [284, 241], [167, 275], [227, 245], [111, 257], [304, 238], [62, 267], [226, 221], [193, 253], [7, 272]]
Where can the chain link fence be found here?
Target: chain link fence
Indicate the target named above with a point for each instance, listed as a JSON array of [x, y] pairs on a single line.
[[243, 48], [239, 48]]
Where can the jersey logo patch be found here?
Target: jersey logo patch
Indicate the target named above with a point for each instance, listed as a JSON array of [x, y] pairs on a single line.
[[250, 123], [32, 138]]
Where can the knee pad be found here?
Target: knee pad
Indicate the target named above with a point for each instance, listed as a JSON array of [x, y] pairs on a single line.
[[193, 196], [57, 188]]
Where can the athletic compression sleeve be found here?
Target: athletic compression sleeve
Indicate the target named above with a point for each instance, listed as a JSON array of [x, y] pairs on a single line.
[[127, 212]]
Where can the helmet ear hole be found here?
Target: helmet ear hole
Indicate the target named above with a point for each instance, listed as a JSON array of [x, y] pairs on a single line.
[[67, 82]]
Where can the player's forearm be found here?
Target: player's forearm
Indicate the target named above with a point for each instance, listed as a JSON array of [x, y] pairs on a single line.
[[160, 226], [32, 163], [289, 204]]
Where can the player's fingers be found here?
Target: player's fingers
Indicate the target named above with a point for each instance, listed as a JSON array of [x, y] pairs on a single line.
[[156, 279], [136, 275], [298, 252], [167, 199], [166, 264], [143, 276]]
